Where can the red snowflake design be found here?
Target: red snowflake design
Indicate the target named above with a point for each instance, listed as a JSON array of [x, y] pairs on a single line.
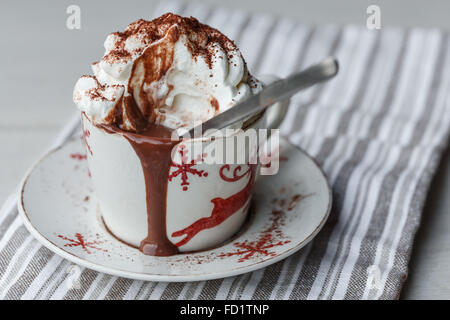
[[249, 248], [270, 237], [185, 167], [82, 243]]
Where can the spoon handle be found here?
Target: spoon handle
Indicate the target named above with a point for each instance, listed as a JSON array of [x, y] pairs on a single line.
[[277, 91]]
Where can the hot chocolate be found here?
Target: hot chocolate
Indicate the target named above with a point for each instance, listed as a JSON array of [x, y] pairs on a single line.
[[156, 77]]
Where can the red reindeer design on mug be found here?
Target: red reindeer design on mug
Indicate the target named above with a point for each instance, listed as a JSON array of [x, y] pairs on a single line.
[[223, 207]]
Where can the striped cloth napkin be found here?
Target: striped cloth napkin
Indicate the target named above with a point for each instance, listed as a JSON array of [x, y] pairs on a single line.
[[378, 131]]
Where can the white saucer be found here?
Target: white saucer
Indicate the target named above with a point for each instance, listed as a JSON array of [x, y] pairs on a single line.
[[59, 209]]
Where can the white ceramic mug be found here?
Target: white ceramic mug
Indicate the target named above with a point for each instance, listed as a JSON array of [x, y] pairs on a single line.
[[120, 189]]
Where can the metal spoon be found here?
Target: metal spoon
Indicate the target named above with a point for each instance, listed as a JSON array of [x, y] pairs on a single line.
[[277, 91]]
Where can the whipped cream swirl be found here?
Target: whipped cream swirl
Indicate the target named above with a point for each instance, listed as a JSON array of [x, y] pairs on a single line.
[[172, 71]]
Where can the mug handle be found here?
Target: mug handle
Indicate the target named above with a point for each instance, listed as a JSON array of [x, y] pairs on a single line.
[[277, 112]]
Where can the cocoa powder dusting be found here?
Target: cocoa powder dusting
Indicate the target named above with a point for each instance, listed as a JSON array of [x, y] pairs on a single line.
[[153, 62], [215, 104], [148, 32]]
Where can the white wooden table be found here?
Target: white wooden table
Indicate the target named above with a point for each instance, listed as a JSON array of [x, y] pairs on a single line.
[[41, 60]]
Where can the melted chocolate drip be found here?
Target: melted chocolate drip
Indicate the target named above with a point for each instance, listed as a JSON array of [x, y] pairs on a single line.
[[153, 146]]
